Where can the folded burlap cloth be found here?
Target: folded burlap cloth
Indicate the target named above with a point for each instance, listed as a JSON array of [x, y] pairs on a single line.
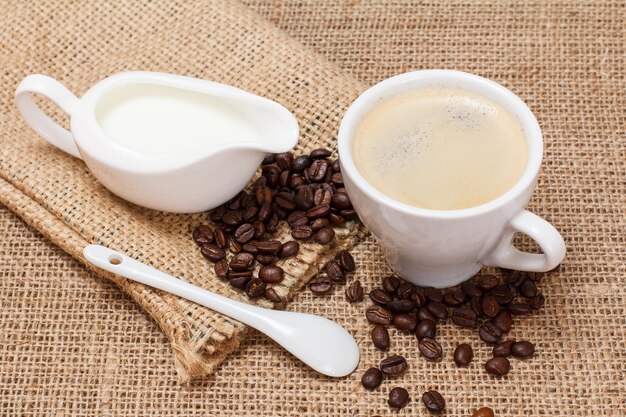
[[219, 40]]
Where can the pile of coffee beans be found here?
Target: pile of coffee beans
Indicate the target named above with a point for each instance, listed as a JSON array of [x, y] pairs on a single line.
[[307, 193]]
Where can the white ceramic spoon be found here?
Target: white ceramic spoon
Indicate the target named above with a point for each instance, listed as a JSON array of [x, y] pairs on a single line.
[[320, 343]]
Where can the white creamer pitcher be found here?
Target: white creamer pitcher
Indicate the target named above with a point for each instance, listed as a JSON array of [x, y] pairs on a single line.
[[163, 141]]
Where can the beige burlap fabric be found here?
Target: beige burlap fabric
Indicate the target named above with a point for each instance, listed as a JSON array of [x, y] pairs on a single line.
[[72, 343]]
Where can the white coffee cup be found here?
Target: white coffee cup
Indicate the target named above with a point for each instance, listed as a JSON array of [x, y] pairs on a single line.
[[442, 248]]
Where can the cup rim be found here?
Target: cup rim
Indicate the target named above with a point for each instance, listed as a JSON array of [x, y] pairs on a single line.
[[453, 78]]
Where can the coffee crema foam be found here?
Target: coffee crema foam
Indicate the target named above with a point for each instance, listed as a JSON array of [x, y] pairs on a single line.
[[440, 148]]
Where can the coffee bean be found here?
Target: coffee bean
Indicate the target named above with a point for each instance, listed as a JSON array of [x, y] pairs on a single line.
[[320, 223], [439, 310], [498, 366], [464, 317], [378, 315], [463, 354], [324, 235], [398, 397], [400, 306], [283, 160], [528, 288], [336, 219], [301, 163], [483, 412], [271, 274], [346, 261], [380, 337], [297, 218], [337, 179], [418, 297], [334, 272], [221, 268], [320, 285], [423, 313], [514, 277], [336, 166], [318, 211], [537, 301], [471, 290], [242, 261], [354, 292], [317, 171], [372, 378], [430, 349], [259, 229], [425, 328], [380, 296], [433, 401], [454, 298], [202, 234], [502, 294], [341, 201], [320, 153], [269, 159], [504, 321], [221, 238], [487, 282], [234, 246], [255, 288], [434, 294], [289, 249], [405, 322], [250, 247], [212, 252], [393, 365], [232, 218], [271, 295], [265, 212], [490, 306], [239, 281], [405, 290], [476, 304], [519, 309], [323, 197], [503, 348], [269, 247], [523, 349], [490, 333], [265, 259], [302, 232], [391, 284], [285, 201]]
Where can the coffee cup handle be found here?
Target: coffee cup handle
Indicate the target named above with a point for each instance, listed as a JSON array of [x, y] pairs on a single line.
[[37, 119], [505, 255]]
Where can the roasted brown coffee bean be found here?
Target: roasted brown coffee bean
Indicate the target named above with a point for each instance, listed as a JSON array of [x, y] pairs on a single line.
[[433, 401], [297, 218], [234, 246], [537, 301], [341, 201], [323, 198], [354, 292], [476, 304], [317, 171], [418, 297], [320, 285], [464, 317], [379, 296], [221, 268], [489, 306], [202, 235], [301, 163], [318, 211], [348, 214], [336, 219], [423, 313], [498, 366], [522, 349], [212, 252], [271, 274], [380, 337], [463, 354], [504, 321], [285, 201], [346, 261], [242, 262], [434, 294], [320, 153], [372, 378], [259, 229], [250, 213], [239, 281], [265, 212], [503, 348], [221, 238], [283, 160], [439, 310], [391, 284], [454, 298], [519, 309], [255, 288], [400, 306], [269, 247], [294, 182], [488, 282], [405, 322], [269, 159], [425, 328], [303, 202], [217, 213], [302, 232], [393, 365], [514, 277], [232, 218], [336, 166], [324, 235], [320, 223], [490, 333], [483, 412], [271, 295], [265, 259], [502, 294], [288, 249], [378, 315], [430, 349], [250, 247], [283, 179], [337, 179], [528, 288], [405, 290], [244, 233], [398, 397], [334, 272], [471, 290], [272, 224]]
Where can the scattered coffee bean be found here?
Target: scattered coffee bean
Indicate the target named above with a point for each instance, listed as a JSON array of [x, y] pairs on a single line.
[[418, 297], [393, 365], [320, 153], [319, 224], [334, 272], [271, 295], [255, 288], [320, 285], [430, 348], [476, 304], [528, 288], [400, 306], [242, 261], [483, 412], [221, 268], [490, 306], [537, 301], [522, 349], [504, 321], [346, 261], [372, 378], [405, 290], [502, 294], [324, 235], [398, 397], [464, 317], [212, 252], [463, 354], [391, 284], [271, 274], [239, 281], [380, 337], [244, 233], [202, 235], [519, 309], [490, 333], [514, 277], [265, 259], [405, 322], [471, 290], [289, 249], [498, 366], [379, 296], [438, 310], [302, 232], [434, 294], [378, 315], [503, 348], [487, 282], [269, 247], [425, 328], [354, 292], [433, 401], [454, 298]]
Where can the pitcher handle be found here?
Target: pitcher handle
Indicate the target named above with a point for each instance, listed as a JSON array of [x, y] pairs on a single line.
[[35, 117], [505, 255]]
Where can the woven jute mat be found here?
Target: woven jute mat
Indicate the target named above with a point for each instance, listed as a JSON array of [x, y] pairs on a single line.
[[72, 343]]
